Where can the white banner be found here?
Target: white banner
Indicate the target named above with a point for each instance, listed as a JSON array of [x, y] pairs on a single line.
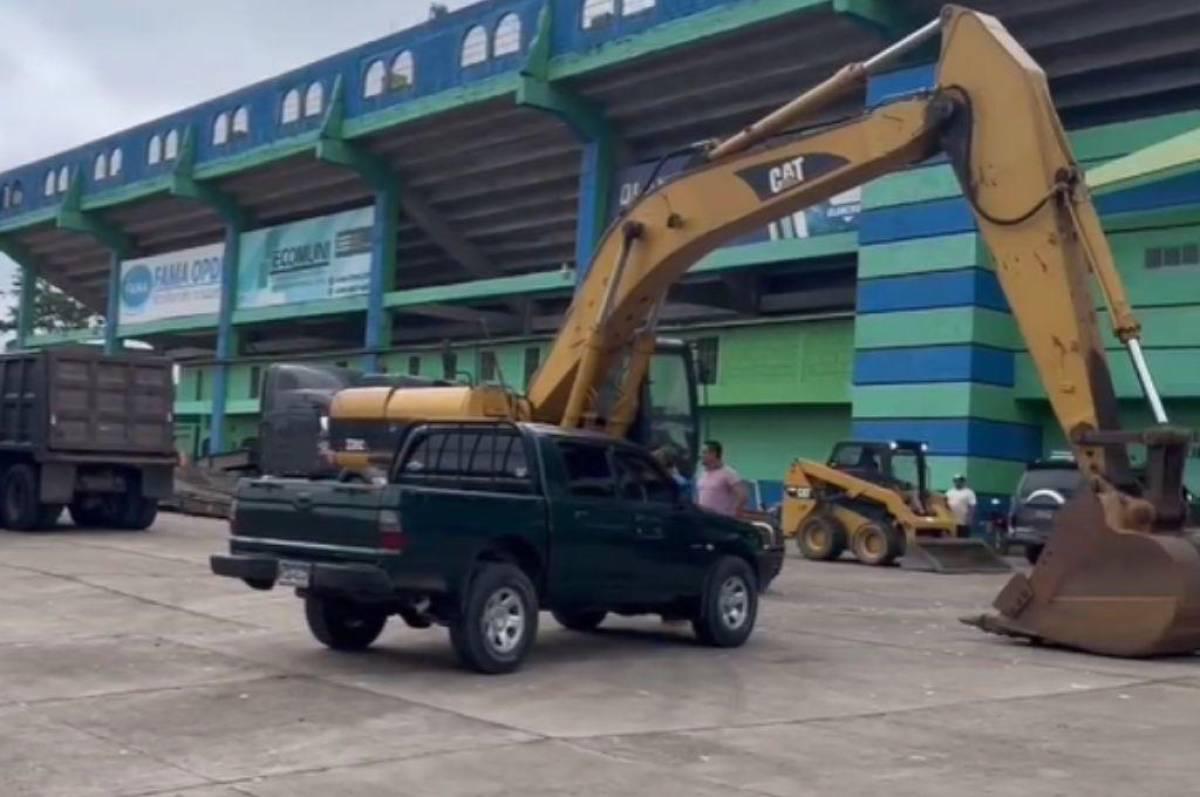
[[171, 285]]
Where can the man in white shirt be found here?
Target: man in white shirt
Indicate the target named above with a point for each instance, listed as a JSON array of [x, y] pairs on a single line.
[[961, 499]]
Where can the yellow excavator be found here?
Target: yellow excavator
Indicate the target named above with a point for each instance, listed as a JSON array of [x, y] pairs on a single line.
[[874, 498], [1121, 575]]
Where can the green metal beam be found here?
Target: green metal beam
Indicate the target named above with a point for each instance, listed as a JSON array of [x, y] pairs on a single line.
[[185, 185], [28, 298], [889, 18], [73, 218], [534, 90], [333, 147]]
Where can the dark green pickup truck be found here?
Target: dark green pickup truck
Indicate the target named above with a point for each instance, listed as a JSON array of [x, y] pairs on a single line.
[[480, 526]]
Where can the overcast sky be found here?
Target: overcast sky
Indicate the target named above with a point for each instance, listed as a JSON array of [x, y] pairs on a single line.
[[75, 70]]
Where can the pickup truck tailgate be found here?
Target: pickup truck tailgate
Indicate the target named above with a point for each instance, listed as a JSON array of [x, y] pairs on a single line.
[[295, 512]]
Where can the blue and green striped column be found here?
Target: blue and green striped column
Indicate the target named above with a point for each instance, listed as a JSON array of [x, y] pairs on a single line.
[[935, 344]]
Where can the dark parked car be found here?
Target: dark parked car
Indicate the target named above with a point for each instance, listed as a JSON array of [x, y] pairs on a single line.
[[1045, 486], [480, 526]]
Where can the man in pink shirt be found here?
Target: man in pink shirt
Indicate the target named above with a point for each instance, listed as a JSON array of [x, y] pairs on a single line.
[[719, 488]]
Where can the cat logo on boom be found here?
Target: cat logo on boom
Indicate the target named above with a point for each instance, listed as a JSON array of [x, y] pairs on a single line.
[[770, 180]]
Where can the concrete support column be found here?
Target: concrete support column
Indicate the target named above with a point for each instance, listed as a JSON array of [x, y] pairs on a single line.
[[596, 176], [26, 305], [227, 339], [377, 332], [112, 315]]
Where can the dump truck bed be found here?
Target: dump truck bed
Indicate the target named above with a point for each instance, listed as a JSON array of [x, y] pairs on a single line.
[[79, 403]]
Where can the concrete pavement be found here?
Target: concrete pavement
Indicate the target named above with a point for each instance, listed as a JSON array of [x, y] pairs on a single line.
[[126, 669]]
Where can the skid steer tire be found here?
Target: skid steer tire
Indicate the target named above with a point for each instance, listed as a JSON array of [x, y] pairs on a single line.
[[877, 545], [821, 538]]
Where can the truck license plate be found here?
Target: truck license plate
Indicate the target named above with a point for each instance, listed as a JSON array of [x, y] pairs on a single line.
[[294, 574]]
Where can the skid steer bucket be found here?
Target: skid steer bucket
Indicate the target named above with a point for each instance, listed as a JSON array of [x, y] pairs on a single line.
[[1104, 590], [953, 556]]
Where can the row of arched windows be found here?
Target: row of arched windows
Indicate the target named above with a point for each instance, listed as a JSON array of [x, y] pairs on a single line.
[[230, 126], [108, 165], [11, 195], [380, 78], [56, 182], [597, 13], [314, 103], [163, 148], [505, 41]]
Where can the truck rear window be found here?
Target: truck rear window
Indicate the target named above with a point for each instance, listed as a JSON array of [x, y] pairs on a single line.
[[481, 459]]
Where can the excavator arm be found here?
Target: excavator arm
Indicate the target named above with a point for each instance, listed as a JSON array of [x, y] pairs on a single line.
[[1121, 576]]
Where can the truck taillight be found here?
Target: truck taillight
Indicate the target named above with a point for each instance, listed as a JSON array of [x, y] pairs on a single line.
[[391, 533]]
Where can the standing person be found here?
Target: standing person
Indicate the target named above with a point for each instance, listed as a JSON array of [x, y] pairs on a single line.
[[962, 501], [719, 488]]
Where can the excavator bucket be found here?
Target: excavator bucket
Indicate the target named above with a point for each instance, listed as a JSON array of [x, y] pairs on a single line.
[[1104, 590], [952, 556]]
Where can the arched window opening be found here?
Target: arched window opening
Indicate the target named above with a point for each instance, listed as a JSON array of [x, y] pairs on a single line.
[[64, 178], [373, 80], [404, 72], [291, 106], [171, 147], [475, 46], [241, 121], [220, 129], [154, 150], [632, 7], [116, 161], [314, 99], [598, 13], [508, 36], [100, 167]]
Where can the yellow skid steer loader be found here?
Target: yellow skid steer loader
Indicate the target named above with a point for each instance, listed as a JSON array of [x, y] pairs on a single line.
[[873, 498]]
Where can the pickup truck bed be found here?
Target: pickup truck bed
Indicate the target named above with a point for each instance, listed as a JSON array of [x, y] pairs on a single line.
[[575, 523]]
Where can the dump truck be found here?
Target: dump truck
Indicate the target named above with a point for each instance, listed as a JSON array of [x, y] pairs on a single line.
[[874, 499], [86, 430]]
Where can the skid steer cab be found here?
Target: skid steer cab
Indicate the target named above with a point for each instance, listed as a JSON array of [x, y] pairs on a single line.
[[874, 498]]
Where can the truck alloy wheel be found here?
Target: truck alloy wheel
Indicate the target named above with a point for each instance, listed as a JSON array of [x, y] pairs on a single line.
[[498, 621], [729, 605]]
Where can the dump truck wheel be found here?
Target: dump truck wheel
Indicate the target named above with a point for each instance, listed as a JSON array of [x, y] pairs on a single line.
[[19, 507], [876, 545], [137, 513], [87, 512], [821, 538]]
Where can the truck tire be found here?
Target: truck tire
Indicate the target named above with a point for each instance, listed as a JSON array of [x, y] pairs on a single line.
[[87, 512], [19, 507], [341, 624], [821, 538], [876, 545], [137, 513], [48, 515], [728, 605], [1033, 553], [498, 620], [582, 620]]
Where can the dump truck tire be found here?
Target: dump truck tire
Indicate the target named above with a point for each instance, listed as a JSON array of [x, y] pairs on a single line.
[[821, 538], [19, 507], [877, 545]]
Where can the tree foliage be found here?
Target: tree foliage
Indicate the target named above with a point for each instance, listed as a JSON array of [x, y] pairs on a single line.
[[53, 310]]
